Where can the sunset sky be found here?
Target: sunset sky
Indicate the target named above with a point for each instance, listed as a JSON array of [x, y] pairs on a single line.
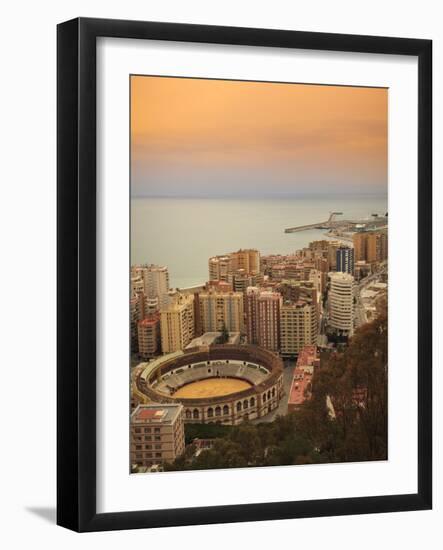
[[196, 137]]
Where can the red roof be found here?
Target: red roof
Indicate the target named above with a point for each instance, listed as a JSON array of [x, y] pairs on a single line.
[[300, 383], [307, 356], [149, 321], [147, 414]]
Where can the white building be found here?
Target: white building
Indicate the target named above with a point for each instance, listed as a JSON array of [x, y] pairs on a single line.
[[341, 301], [155, 280]]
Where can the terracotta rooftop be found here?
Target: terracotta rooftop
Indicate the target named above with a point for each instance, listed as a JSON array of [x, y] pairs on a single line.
[[149, 321], [308, 357], [300, 383], [146, 414]]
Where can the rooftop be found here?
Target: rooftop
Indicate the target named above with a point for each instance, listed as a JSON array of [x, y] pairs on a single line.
[[308, 357], [156, 413], [149, 321], [209, 338], [300, 387]]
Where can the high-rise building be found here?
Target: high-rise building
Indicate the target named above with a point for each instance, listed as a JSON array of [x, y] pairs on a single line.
[[241, 280], [177, 323], [133, 324], [377, 246], [298, 327], [341, 301], [319, 280], [345, 259], [155, 280], [292, 291], [157, 434], [221, 309], [248, 260], [359, 240], [268, 309], [251, 314], [263, 317], [137, 285], [149, 336], [221, 268], [370, 246], [326, 249]]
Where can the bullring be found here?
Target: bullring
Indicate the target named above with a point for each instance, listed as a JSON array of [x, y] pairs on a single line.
[[224, 384]]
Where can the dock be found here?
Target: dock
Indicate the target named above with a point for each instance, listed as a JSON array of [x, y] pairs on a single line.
[[328, 224]]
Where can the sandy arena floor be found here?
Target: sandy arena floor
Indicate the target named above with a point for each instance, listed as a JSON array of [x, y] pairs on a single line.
[[212, 387]]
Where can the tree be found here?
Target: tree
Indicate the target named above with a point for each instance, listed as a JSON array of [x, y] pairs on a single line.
[[355, 380], [223, 338]]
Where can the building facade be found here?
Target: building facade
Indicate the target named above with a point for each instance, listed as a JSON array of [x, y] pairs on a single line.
[[263, 318], [219, 268], [298, 327], [243, 262], [341, 302], [155, 281], [221, 309], [247, 260], [371, 246], [149, 338], [268, 323], [157, 434], [345, 259], [177, 323]]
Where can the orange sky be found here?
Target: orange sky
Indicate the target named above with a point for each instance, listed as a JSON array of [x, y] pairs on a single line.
[[198, 136]]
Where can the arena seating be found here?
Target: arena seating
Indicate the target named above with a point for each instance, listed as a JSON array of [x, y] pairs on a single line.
[[170, 383]]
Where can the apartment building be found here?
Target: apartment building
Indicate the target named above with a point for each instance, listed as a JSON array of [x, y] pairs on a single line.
[[157, 434], [221, 309], [341, 301], [298, 327], [177, 323]]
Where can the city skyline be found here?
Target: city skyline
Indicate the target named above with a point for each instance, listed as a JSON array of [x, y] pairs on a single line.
[[210, 138], [258, 326]]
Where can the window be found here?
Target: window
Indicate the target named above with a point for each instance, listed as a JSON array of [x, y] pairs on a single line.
[[252, 402], [195, 413], [156, 430], [138, 447], [217, 411], [226, 409], [245, 404], [188, 413], [158, 446], [239, 406], [148, 437], [147, 430], [157, 438], [210, 412], [148, 446], [158, 455], [137, 430]]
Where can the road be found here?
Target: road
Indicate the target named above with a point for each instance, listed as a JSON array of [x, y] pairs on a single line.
[[360, 313]]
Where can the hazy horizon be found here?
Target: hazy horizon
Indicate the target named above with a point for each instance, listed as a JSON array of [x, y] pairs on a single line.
[[209, 138]]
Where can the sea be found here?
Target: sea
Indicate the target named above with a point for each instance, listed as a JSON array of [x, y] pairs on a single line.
[[183, 233]]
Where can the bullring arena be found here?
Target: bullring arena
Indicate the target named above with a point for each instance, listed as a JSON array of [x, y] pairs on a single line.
[[224, 384]]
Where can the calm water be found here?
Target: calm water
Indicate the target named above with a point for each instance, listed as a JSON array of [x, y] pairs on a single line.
[[184, 233]]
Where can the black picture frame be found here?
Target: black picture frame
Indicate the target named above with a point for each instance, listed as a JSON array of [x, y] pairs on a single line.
[[76, 281]]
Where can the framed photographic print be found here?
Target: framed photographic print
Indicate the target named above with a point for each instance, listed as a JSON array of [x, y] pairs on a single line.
[[244, 274]]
